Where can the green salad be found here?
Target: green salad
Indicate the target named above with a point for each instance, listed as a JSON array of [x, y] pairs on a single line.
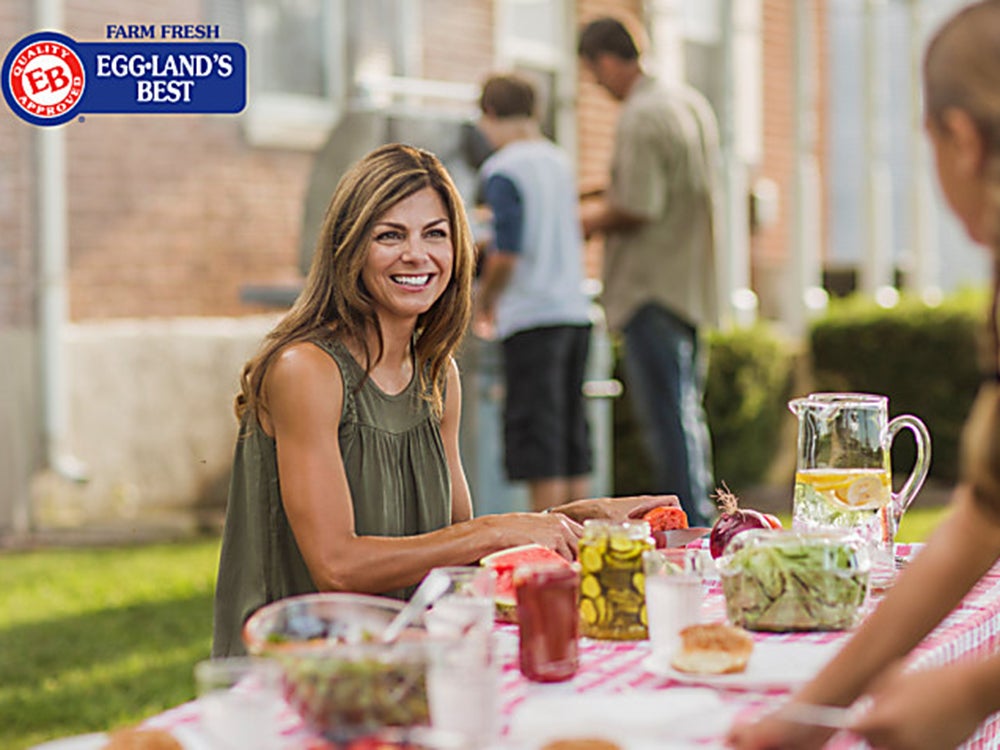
[[782, 581], [340, 697]]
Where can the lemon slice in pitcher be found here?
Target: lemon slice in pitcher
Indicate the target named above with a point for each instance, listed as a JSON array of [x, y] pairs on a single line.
[[867, 491]]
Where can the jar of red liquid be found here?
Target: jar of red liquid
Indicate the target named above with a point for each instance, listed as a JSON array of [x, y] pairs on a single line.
[[548, 615]]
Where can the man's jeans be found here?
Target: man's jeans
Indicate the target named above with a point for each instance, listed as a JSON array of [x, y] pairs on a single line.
[[664, 374]]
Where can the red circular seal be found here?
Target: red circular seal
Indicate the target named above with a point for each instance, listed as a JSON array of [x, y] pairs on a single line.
[[46, 79]]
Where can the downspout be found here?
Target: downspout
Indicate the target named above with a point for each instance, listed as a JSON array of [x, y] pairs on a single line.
[[739, 133], [809, 298], [876, 277], [50, 200], [924, 254]]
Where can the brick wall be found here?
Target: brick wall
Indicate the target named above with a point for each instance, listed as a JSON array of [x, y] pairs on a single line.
[[771, 245], [457, 39], [170, 216]]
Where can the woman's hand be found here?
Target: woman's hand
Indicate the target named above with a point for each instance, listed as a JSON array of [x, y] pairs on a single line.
[[615, 509], [771, 732], [553, 530], [931, 709]]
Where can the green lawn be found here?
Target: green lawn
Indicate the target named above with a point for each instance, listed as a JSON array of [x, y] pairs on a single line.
[[100, 638], [93, 639]]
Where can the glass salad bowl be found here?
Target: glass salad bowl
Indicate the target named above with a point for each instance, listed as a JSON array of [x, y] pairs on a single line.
[[787, 580], [337, 673]]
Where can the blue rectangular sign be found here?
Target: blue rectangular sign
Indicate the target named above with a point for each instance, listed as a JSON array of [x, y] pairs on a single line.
[[161, 77]]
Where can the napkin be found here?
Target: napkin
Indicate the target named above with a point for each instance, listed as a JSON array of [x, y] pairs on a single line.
[[637, 719]]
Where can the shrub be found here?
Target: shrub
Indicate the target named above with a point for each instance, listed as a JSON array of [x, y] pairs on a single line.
[[923, 358], [746, 397]]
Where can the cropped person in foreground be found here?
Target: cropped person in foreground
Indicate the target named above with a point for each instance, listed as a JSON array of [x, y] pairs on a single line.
[[938, 707], [347, 474]]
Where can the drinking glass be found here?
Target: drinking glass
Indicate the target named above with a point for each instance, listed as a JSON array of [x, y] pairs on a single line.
[[674, 596], [467, 605], [241, 703], [463, 690]]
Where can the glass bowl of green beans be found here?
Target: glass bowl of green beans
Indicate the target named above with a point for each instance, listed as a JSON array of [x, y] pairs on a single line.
[[338, 675]]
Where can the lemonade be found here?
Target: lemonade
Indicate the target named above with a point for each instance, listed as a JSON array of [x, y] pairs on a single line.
[[844, 498]]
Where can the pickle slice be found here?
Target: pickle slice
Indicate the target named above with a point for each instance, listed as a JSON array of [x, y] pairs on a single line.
[[590, 587], [591, 560], [639, 581], [602, 610], [624, 546]]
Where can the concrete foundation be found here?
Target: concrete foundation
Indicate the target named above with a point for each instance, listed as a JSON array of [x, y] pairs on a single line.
[[151, 420]]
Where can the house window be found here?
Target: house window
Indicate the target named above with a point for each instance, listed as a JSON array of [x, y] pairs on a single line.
[[297, 70], [537, 38], [309, 60]]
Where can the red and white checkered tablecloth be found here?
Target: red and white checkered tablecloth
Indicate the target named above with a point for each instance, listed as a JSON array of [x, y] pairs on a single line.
[[616, 667]]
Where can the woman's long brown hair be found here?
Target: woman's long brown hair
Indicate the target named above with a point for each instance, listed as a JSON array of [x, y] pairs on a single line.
[[334, 301]]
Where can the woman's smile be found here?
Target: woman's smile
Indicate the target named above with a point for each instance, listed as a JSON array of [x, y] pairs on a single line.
[[412, 281]]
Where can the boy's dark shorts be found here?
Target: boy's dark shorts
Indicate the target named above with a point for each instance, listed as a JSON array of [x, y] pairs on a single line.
[[545, 422]]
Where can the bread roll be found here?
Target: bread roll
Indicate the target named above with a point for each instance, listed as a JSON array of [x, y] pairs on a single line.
[[581, 743], [142, 739], [714, 648]]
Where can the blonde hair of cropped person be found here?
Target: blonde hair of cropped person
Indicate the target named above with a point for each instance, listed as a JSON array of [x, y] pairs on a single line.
[[962, 71], [334, 301]]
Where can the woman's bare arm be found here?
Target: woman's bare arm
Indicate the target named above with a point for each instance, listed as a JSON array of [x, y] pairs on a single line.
[[461, 499]]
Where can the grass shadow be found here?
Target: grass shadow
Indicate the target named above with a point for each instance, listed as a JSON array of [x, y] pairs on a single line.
[[74, 674]]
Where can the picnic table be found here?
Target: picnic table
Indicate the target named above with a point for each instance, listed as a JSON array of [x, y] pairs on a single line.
[[618, 691]]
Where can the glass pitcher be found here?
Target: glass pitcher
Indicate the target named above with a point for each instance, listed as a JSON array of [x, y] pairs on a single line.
[[843, 478]]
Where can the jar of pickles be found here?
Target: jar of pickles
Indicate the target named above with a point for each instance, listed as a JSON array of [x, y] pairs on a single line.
[[612, 583]]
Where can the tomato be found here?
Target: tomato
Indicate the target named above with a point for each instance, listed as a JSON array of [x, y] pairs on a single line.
[[666, 518]]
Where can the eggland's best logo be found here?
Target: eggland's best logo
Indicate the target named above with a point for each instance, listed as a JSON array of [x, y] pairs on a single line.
[[48, 78], [45, 80]]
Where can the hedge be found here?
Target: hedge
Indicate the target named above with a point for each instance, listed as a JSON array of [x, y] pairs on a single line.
[[924, 358]]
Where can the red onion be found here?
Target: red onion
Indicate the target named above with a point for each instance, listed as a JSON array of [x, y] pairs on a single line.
[[732, 520]]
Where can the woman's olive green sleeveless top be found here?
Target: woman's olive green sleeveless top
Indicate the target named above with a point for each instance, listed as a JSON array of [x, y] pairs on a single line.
[[398, 475]]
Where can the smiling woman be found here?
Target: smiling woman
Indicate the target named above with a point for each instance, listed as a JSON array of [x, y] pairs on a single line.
[[347, 475]]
